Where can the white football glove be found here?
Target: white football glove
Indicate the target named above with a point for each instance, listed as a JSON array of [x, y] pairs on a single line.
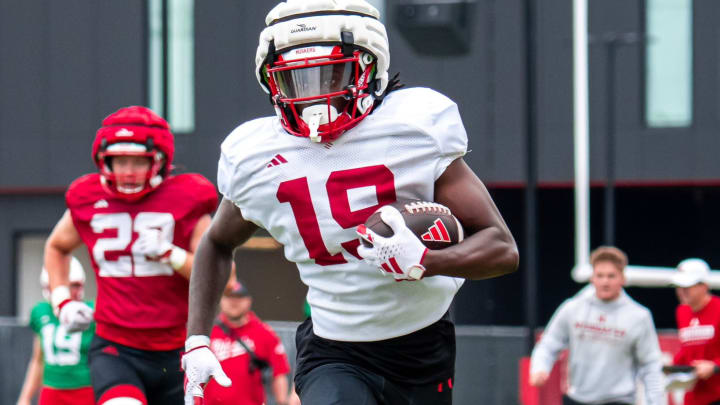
[[75, 316], [156, 248], [200, 363], [401, 254]]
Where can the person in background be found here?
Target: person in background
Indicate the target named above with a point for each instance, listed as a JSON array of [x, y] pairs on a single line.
[[58, 368], [246, 348], [698, 323], [141, 225], [611, 339]]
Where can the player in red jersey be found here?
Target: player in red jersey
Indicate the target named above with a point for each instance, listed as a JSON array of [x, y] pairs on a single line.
[[141, 226], [698, 322]]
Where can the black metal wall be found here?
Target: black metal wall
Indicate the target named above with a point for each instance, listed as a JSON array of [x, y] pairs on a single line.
[[65, 65]]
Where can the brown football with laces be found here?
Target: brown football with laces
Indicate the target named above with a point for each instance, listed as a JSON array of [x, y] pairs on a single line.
[[431, 222]]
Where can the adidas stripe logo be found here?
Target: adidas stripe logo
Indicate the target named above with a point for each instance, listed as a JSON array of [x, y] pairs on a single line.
[[437, 232], [277, 160]]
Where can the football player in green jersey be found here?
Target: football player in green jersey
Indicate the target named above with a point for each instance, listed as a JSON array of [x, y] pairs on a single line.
[[59, 363]]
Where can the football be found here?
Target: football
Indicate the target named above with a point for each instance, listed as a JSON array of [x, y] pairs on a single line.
[[431, 222]]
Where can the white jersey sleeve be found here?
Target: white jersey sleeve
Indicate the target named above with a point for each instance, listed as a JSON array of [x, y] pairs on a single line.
[[235, 168], [439, 118]]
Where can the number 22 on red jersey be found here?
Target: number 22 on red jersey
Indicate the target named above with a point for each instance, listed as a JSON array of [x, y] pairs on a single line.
[[111, 252]]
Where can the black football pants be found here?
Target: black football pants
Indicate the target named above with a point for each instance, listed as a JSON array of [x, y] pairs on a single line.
[[156, 374], [346, 384], [569, 401]]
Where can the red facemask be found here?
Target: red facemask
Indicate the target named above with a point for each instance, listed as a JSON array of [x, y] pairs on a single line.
[[319, 92]]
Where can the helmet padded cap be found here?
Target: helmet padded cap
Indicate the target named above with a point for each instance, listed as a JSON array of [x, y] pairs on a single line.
[[136, 115]]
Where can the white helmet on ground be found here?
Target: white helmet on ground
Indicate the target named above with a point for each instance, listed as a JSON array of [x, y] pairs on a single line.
[[77, 275], [323, 62]]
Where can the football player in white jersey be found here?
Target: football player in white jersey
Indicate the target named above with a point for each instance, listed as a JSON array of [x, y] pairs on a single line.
[[345, 142]]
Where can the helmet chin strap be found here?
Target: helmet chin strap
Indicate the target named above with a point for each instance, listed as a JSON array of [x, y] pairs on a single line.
[[316, 115]]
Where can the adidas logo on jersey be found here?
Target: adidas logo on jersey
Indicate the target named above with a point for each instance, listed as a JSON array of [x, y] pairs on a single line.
[[277, 160], [437, 232], [101, 204]]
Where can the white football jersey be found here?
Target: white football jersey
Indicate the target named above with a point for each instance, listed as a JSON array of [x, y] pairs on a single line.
[[311, 196]]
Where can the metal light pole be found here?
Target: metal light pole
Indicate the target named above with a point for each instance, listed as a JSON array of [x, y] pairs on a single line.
[[611, 42], [581, 149], [165, 58], [531, 229]]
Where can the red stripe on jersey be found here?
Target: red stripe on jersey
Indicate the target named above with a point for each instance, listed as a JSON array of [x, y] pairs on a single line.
[[351, 246], [280, 158], [386, 267]]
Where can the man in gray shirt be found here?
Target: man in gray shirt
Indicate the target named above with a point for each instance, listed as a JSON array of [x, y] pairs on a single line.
[[611, 340]]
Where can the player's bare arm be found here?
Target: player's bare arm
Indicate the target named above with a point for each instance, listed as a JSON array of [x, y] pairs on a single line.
[[489, 250], [280, 389], [62, 241], [75, 315], [211, 267], [33, 376]]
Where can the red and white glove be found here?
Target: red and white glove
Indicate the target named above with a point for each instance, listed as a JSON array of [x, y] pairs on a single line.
[[200, 363], [75, 316], [156, 248], [401, 254]]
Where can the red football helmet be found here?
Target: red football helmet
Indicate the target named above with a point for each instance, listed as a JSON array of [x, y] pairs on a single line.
[[134, 131]]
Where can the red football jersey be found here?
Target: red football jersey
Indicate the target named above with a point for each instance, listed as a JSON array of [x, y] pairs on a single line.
[[246, 388], [140, 303], [699, 334]]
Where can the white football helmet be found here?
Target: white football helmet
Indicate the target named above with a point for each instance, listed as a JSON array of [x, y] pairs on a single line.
[[77, 275], [323, 62]]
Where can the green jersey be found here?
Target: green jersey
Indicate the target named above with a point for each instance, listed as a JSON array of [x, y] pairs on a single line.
[[65, 355]]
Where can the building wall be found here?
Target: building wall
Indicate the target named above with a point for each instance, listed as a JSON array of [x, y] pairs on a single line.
[[65, 65], [74, 62]]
